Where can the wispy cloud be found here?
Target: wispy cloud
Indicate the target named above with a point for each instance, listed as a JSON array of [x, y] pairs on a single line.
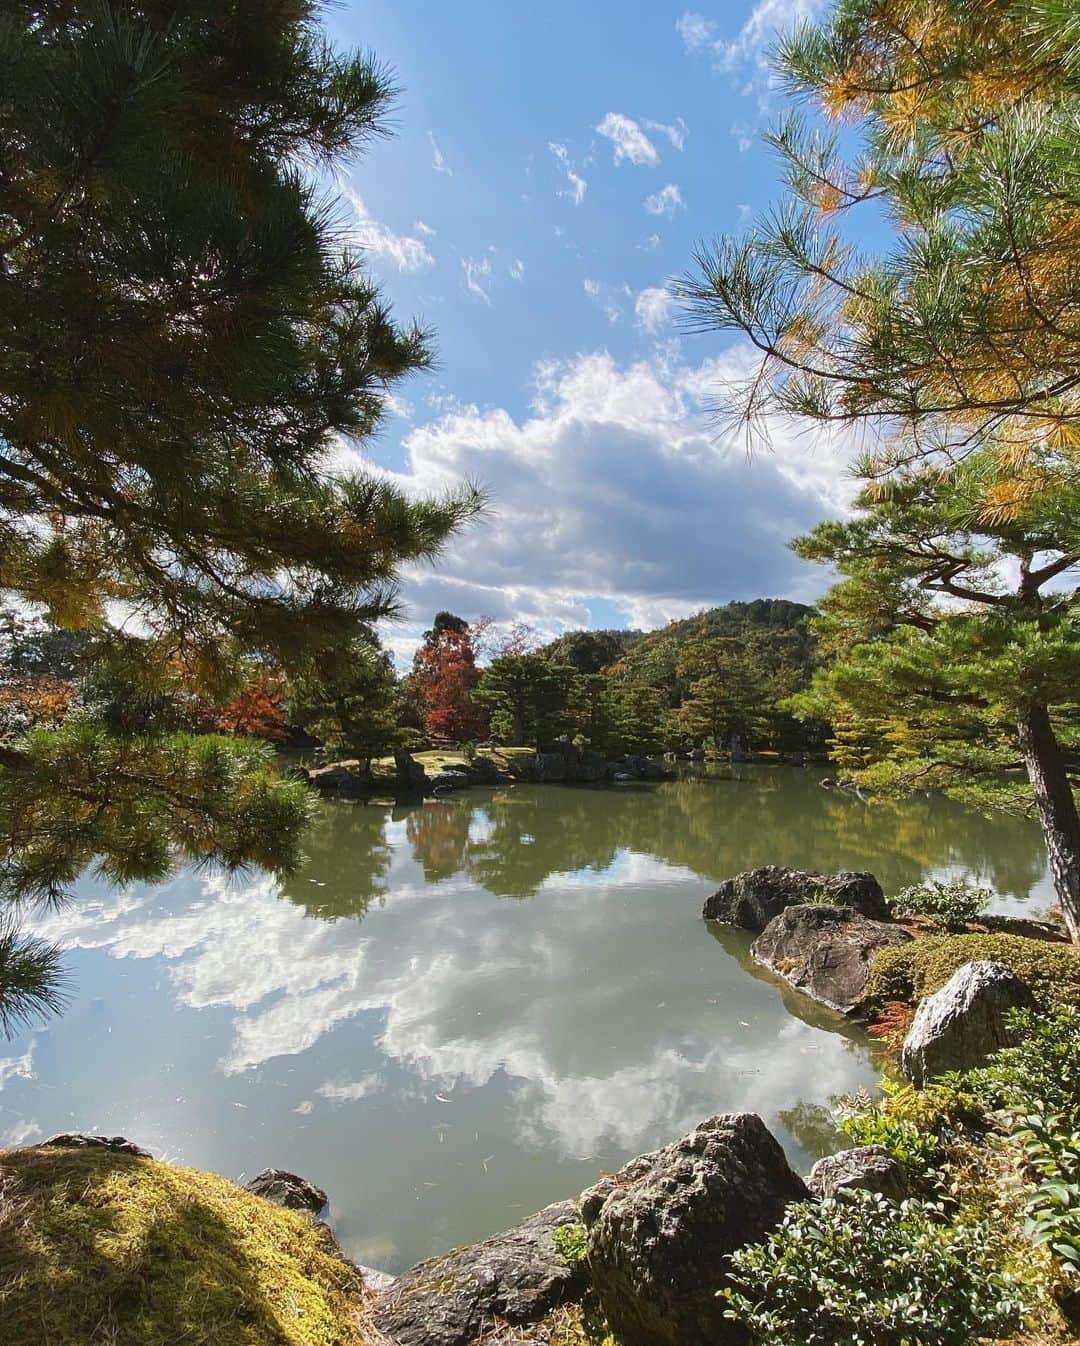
[[403, 250], [666, 201], [578, 185], [752, 45], [628, 139], [517, 269], [676, 131], [652, 308], [476, 270], [438, 159], [425, 229]]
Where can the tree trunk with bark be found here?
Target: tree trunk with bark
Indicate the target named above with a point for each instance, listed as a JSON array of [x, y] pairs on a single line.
[[1056, 803]]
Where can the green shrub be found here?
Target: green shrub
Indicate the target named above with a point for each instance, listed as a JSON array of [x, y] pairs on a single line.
[[910, 1123], [1039, 1075], [949, 905], [1052, 1157], [859, 1270], [570, 1241], [911, 971]]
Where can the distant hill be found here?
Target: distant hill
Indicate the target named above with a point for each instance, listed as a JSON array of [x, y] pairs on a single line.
[[776, 626]]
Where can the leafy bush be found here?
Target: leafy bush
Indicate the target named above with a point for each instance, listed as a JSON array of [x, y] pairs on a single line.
[[1041, 1074], [910, 1123], [911, 971], [570, 1241], [859, 1270], [1052, 1157], [949, 905]]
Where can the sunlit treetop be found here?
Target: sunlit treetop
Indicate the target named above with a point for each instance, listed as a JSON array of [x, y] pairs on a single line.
[[957, 122]]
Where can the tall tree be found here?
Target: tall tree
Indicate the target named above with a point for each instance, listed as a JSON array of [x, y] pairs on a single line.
[[728, 697], [183, 341], [350, 703], [958, 696], [445, 676], [528, 698], [959, 346]]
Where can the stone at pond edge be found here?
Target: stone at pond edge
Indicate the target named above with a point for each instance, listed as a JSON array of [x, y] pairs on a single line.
[[960, 1026], [825, 951], [79, 1140], [752, 899], [516, 1277], [869, 1167], [661, 1229], [287, 1189]]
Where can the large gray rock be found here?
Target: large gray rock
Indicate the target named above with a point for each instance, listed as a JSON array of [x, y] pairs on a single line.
[[661, 1229], [825, 951], [513, 1278], [282, 1188], [869, 1167], [78, 1140], [963, 1024], [752, 899]]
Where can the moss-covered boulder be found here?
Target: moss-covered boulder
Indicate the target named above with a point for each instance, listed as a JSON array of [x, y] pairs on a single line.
[[102, 1246]]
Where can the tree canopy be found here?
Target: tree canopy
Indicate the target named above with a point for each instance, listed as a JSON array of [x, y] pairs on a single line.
[[954, 632], [187, 345]]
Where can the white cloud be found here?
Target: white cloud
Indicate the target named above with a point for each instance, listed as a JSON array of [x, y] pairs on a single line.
[[438, 160], [676, 131], [517, 269], [425, 229], [476, 269], [404, 251], [352, 1091], [743, 135], [696, 31], [628, 139], [652, 309], [615, 486], [591, 288], [666, 201], [749, 50], [578, 185]]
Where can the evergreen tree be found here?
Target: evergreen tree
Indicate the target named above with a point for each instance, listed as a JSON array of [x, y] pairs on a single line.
[[960, 347], [183, 341], [960, 697], [350, 703], [527, 697]]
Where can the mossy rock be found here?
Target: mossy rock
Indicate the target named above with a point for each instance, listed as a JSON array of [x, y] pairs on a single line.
[[910, 972], [100, 1247]]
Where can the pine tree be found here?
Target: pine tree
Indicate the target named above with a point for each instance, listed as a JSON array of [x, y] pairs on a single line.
[[184, 339], [958, 349], [528, 698]]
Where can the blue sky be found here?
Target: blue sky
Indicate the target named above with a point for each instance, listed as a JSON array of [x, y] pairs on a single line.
[[553, 167]]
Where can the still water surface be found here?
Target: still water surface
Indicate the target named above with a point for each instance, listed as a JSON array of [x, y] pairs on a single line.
[[458, 1012]]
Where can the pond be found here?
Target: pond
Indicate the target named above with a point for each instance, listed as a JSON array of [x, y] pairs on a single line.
[[458, 1012]]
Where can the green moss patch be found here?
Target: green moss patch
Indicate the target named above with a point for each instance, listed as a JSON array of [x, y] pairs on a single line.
[[98, 1247], [908, 972]]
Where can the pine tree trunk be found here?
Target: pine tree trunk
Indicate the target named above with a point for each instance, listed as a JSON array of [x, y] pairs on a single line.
[[1057, 808]]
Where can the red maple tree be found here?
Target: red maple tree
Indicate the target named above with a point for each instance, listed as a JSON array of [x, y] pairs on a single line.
[[445, 675], [255, 712]]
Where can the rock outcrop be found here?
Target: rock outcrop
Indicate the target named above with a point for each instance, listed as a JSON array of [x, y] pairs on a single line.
[[964, 1023], [869, 1167], [286, 1189], [566, 763], [752, 899], [78, 1140], [660, 1229], [513, 1278], [825, 951]]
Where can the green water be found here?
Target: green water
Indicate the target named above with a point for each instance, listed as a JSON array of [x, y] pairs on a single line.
[[458, 1012]]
